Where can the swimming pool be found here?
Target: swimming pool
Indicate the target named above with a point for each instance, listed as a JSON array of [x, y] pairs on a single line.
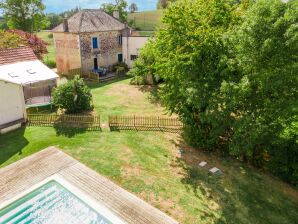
[[54, 203]]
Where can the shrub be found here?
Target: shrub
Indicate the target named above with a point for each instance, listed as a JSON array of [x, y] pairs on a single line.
[[50, 35], [120, 71], [50, 63], [73, 96], [38, 45], [120, 68], [137, 80], [10, 40], [143, 69]]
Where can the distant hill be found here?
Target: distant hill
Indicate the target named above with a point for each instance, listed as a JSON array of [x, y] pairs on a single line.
[[147, 20]]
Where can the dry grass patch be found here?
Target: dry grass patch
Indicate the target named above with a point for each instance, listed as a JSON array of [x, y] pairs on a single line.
[[169, 206], [125, 90], [131, 171]]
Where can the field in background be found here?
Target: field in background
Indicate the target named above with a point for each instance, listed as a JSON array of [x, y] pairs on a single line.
[[147, 20], [152, 165], [45, 35]]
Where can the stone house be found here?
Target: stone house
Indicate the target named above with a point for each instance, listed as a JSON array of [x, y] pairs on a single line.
[[91, 39]]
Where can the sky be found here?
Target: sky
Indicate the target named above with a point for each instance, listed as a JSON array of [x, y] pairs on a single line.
[[63, 5]]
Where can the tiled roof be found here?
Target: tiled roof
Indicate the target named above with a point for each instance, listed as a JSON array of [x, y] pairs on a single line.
[[91, 20], [12, 55]]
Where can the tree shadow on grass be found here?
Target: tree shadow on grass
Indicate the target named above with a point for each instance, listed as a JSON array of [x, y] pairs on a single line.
[[153, 93], [243, 193], [148, 129], [69, 132], [14, 142]]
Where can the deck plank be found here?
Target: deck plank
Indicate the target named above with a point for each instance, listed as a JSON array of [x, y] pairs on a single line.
[[27, 172]]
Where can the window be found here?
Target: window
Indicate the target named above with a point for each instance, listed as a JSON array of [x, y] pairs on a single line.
[[120, 39], [133, 57], [94, 43]]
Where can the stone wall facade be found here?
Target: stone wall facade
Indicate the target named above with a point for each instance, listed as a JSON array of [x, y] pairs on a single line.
[[74, 51], [106, 53], [67, 48]]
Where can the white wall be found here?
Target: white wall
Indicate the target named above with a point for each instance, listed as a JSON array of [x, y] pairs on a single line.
[[12, 104], [131, 46]]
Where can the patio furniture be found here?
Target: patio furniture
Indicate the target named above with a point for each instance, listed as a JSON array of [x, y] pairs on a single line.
[[100, 71]]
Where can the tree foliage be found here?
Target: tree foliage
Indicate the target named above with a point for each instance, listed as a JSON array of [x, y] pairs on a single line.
[[38, 45], [119, 5], [145, 64], [15, 38], [27, 15], [55, 19], [133, 7], [230, 72], [3, 24], [162, 4], [10, 40], [73, 96]]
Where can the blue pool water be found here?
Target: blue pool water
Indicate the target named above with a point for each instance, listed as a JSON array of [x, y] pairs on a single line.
[[51, 204]]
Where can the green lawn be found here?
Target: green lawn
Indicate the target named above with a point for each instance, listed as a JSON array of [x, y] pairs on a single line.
[[51, 55], [147, 20], [149, 165]]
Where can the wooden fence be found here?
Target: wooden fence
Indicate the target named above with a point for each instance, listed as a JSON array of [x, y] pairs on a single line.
[[144, 123], [85, 75], [75, 121]]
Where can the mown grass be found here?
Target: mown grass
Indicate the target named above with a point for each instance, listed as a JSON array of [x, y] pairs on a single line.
[[147, 20], [150, 165], [51, 55]]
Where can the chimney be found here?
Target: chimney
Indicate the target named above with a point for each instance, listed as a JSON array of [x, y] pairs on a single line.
[[116, 14], [65, 25]]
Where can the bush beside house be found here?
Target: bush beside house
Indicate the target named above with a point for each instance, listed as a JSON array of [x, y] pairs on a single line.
[[73, 96]]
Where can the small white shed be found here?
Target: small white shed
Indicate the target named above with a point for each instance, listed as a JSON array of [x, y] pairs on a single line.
[[24, 81]]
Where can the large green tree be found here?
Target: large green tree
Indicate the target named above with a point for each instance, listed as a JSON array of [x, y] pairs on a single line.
[[119, 5], [27, 15], [262, 106], [230, 73]]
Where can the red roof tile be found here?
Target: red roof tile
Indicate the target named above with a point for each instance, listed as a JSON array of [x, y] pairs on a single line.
[[12, 55]]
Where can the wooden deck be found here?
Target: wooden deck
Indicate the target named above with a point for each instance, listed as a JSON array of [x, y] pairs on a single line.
[[28, 172]]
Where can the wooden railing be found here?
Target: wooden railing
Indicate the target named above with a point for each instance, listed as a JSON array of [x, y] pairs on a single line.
[[64, 120], [85, 75], [144, 123]]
